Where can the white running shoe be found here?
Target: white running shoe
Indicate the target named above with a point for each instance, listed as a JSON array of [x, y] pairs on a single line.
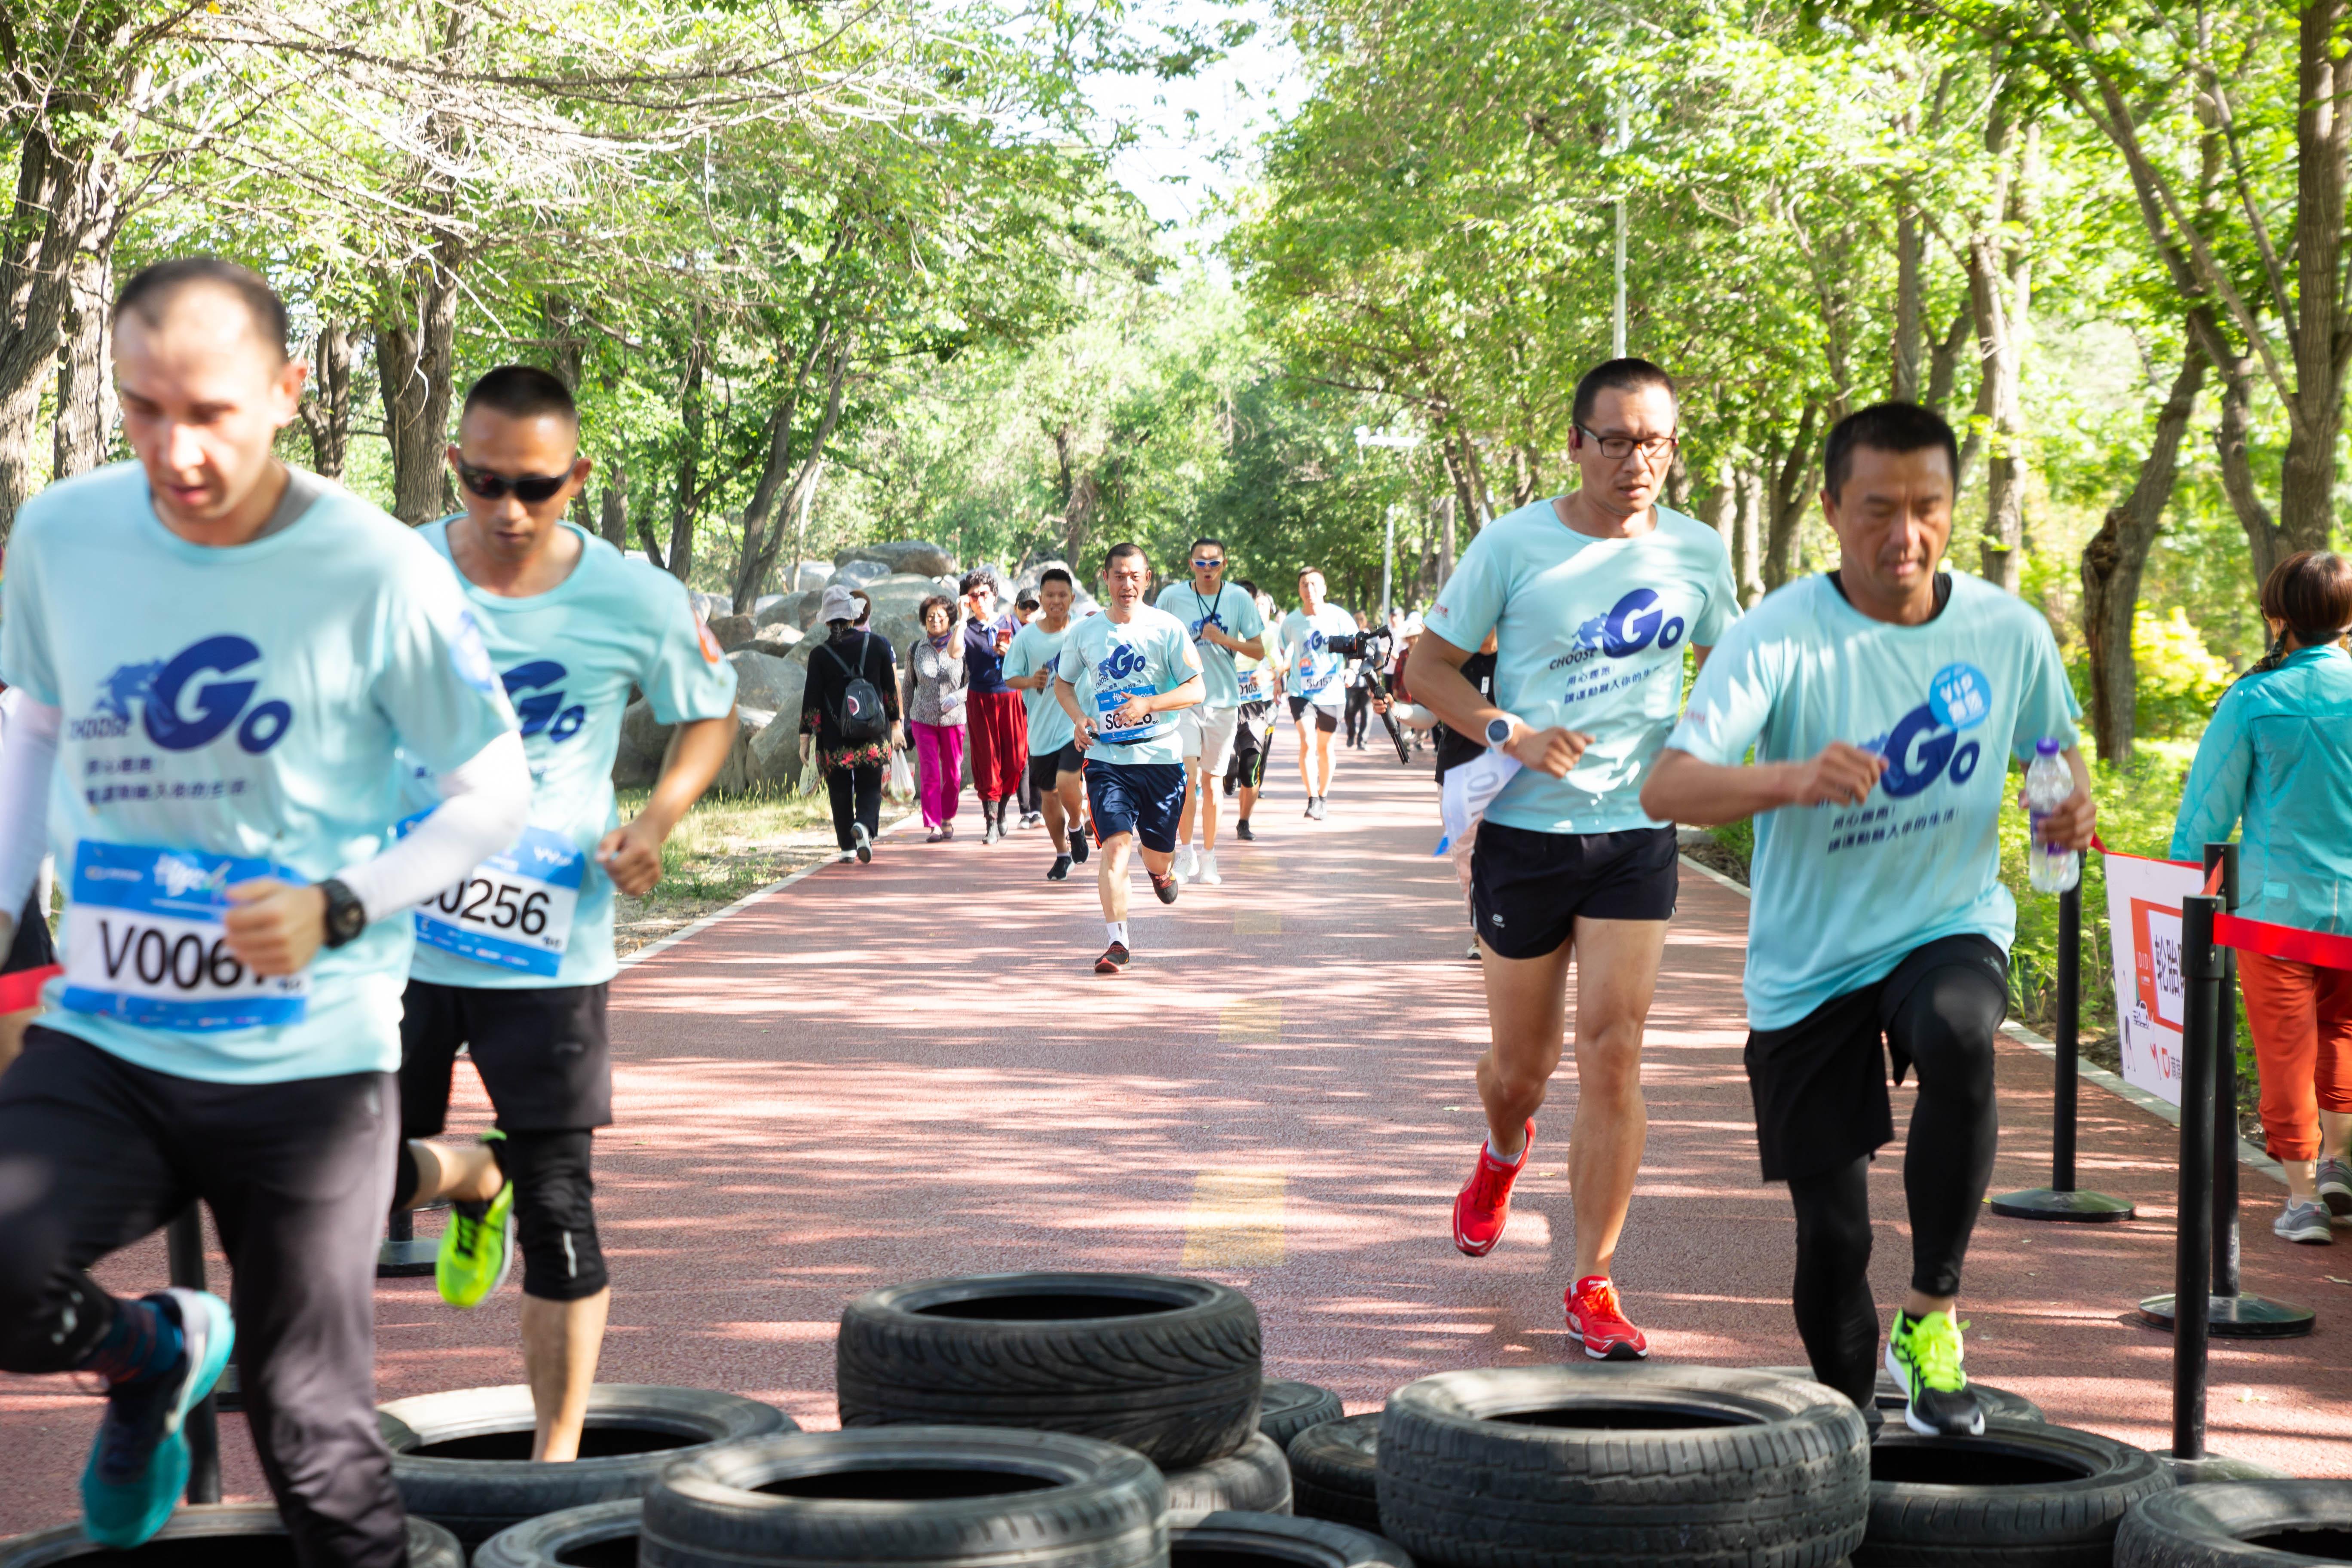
[[1187, 866], [1207, 872]]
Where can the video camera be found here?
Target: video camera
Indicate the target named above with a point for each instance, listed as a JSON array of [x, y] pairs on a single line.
[[1372, 646]]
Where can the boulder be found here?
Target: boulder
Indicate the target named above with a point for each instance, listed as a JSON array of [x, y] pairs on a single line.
[[794, 610], [731, 632], [775, 762], [637, 760], [857, 573], [766, 682], [777, 641], [710, 604], [738, 774], [917, 555], [764, 600], [813, 574]]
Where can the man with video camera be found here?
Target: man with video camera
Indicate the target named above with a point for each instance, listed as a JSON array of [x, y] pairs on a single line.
[[1314, 672]]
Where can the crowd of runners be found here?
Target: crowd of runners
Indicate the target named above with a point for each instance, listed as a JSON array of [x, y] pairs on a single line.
[[333, 799]]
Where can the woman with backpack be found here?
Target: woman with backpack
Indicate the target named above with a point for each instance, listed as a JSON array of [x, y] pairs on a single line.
[[937, 679], [849, 716]]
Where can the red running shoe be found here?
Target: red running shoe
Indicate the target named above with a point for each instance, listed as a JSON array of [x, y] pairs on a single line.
[[1485, 1201], [1163, 886], [1113, 960], [1596, 1319]]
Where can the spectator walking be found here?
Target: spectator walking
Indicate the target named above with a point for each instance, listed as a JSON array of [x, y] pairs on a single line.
[[935, 707], [2278, 756], [994, 721], [1026, 609], [852, 766]]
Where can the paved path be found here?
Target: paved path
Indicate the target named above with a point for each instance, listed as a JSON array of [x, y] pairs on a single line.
[[888, 1072]]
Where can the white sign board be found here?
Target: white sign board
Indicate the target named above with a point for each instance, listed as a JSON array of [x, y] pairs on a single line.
[[2144, 925]]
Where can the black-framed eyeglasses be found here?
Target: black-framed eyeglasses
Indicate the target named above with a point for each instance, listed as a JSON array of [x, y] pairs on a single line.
[[528, 489], [1617, 449], [1201, 565]]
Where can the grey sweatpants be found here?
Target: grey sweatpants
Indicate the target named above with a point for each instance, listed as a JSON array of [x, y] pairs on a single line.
[[95, 1153]]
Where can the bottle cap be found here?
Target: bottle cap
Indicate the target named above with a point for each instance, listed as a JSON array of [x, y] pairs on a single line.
[[2045, 747]]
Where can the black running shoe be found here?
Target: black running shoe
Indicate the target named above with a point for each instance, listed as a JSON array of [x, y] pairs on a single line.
[[1164, 885], [1061, 871], [1113, 960], [1242, 831], [1078, 844]]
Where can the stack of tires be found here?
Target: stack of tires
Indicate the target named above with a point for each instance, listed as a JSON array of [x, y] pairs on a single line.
[[1168, 1366]]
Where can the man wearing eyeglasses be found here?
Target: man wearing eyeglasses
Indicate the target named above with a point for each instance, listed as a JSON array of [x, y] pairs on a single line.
[[513, 960], [1224, 621], [1593, 599]]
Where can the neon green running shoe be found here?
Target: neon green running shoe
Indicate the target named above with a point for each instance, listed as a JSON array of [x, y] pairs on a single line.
[[476, 1250], [1923, 1355]]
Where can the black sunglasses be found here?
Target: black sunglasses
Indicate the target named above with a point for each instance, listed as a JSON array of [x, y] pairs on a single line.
[[528, 489]]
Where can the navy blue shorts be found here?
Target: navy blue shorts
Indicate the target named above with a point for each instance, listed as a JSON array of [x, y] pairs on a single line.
[[1141, 798]]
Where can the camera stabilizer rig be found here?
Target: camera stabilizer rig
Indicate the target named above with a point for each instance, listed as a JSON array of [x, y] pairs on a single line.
[[1372, 647]]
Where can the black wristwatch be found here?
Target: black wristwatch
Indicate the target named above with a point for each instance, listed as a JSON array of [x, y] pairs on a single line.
[[1497, 731], [345, 916]]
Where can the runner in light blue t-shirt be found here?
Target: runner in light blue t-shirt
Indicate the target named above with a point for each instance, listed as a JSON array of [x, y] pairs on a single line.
[[213, 662], [1225, 623], [1594, 600], [1123, 676], [1883, 703], [1054, 758], [1313, 674], [513, 960]]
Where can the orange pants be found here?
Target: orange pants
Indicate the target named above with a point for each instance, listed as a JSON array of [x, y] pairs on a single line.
[[2300, 1019]]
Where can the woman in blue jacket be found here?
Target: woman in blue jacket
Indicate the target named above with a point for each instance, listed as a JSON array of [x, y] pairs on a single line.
[[2279, 755]]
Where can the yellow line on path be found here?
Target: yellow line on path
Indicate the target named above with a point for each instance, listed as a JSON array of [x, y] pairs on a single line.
[[1236, 1220], [1257, 1021], [1258, 923]]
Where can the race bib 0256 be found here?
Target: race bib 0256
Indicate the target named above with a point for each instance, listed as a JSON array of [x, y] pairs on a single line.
[[144, 943], [515, 910]]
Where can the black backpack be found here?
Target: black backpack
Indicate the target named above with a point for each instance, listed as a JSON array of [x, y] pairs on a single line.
[[857, 710]]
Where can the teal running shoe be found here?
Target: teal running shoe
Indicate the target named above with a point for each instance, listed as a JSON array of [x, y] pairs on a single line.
[[139, 1466]]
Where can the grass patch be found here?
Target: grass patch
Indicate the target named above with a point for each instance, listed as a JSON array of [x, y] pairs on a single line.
[[725, 847]]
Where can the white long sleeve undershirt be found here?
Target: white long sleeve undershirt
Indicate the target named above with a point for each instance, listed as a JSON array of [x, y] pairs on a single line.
[[485, 803]]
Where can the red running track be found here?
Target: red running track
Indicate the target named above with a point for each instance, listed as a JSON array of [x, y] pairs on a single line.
[[888, 1072]]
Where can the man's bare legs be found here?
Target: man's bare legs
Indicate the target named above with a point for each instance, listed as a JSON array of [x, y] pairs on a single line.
[[1314, 754], [1616, 965], [1110, 876], [1201, 797]]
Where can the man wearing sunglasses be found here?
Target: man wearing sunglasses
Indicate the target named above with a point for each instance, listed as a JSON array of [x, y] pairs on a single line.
[[1592, 599], [512, 961], [1224, 621]]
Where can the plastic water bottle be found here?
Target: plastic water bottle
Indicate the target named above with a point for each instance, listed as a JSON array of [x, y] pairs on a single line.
[[2048, 784]]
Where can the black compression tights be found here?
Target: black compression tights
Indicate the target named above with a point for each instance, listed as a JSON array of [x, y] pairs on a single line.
[[1947, 1026]]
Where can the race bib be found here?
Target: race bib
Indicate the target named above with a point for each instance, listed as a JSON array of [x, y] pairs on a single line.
[[514, 911], [1312, 676], [144, 945], [1108, 703]]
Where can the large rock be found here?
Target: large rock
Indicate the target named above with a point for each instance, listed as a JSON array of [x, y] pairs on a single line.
[[739, 774], [918, 555], [794, 610], [767, 682], [710, 604], [857, 573], [813, 574], [642, 733], [777, 641], [635, 763], [731, 632], [775, 762]]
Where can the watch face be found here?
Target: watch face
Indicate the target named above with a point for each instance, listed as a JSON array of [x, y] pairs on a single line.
[[1497, 731]]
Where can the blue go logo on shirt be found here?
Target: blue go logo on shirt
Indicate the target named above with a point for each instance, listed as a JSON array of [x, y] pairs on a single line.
[[1122, 662], [1925, 744], [542, 712], [180, 711], [1634, 621]]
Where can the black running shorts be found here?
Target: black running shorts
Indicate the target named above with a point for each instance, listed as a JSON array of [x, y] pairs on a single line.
[[1820, 1084], [1526, 888], [1046, 768], [542, 1052], [1326, 719]]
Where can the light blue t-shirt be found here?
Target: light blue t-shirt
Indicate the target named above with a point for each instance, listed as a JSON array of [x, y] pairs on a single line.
[[231, 713], [1314, 671], [1035, 648], [1589, 635], [1105, 661], [542, 914], [1235, 614], [1843, 893]]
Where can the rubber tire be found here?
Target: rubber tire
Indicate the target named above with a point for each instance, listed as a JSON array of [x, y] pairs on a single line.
[[429, 1545], [2207, 1525], [1304, 1542], [1335, 1472], [1105, 1507], [476, 1499], [1253, 1478], [2066, 1524], [544, 1542], [1286, 1408], [1788, 1487], [1998, 1403], [1179, 1386]]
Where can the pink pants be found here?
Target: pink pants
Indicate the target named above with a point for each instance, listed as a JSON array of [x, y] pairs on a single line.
[[939, 758]]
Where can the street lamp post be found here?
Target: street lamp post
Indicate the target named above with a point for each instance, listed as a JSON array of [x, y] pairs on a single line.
[[1403, 441]]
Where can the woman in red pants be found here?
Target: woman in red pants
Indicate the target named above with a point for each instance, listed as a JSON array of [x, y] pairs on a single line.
[[995, 724]]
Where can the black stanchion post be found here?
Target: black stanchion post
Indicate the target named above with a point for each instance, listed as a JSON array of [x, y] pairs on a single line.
[[2192, 1256], [2231, 1314], [2060, 1200], [402, 1256], [185, 1247]]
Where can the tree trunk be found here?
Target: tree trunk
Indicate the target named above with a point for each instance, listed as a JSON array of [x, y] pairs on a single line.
[[614, 520], [1909, 326], [2267, 543], [2114, 560], [2322, 133], [2000, 285], [1944, 358], [1785, 521], [1748, 537], [327, 404], [1445, 540], [415, 344], [790, 472], [684, 500], [86, 405], [801, 530]]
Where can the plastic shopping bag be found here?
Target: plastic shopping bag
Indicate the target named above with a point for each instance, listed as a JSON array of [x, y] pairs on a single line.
[[900, 786]]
